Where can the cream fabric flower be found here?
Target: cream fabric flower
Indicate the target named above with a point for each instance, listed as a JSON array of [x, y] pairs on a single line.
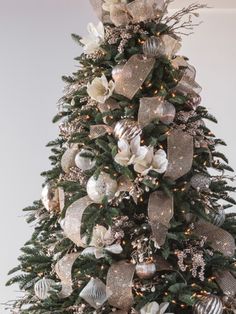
[[101, 241], [95, 38], [100, 89], [142, 157], [155, 308], [108, 4]]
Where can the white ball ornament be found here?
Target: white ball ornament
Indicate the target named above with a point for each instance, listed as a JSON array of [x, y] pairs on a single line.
[[84, 163], [42, 288], [98, 188]]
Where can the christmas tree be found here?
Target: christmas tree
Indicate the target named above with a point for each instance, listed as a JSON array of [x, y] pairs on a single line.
[[133, 212]]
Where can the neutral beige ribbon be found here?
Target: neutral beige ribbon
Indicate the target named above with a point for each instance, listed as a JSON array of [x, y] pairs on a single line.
[[227, 282], [99, 130]]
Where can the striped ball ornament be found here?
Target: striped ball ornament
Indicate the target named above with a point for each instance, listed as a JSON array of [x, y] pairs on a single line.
[[210, 304], [42, 288], [153, 47], [218, 218]]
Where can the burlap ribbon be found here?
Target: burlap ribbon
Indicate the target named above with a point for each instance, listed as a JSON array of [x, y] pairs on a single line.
[[119, 284], [63, 270], [152, 108], [219, 239], [160, 212], [73, 220], [227, 282], [180, 154], [133, 75]]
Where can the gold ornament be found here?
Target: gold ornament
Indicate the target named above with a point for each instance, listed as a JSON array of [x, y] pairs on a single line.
[[98, 188], [210, 304], [127, 129], [145, 270]]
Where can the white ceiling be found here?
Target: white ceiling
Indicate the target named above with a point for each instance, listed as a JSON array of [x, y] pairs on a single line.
[[217, 4]]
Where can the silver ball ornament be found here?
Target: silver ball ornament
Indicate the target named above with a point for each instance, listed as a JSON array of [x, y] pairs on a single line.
[[200, 182], [153, 47], [85, 163], [145, 270], [116, 71], [98, 188], [127, 129], [42, 288], [210, 304], [218, 217], [50, 197]]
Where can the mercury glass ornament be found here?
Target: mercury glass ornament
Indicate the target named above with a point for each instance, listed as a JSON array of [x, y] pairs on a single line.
[[200, 182], [98, 188], [85, 163], [218, 217], [127, 129], [42, 288], [145, 270], [50, 197], [193, 100], [116, 71], [210, 304], [153, 46], [68, 158], [94, 293], [168, 113]]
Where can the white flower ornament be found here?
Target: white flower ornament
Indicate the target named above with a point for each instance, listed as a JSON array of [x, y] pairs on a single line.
[[155, 308], [95, 39], [101, 241], [100, 89]]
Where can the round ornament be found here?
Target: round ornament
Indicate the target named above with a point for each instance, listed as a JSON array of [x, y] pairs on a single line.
[[52, 197], [68, 158], [210, 304], [116, 71], [218, 217], [200, 182], [127, 129], [98, 188], [193, 101], [85, 163], [42, 288], [153, 47], [145, 270]]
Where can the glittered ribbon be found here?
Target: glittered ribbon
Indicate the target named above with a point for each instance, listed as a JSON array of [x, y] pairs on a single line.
[[99, 130], [226, 282], [73, 220], [170, 46], [152, 108], [180, 154], [63, 270], [133, 75], [119, 284], [101, 14], [160, 212], [219, 239], [187, 84]]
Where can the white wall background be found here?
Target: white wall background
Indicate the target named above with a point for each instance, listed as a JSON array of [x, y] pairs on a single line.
[[35, 50]]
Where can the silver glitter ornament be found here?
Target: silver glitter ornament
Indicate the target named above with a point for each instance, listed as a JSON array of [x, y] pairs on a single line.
[[152, 46], [127, 129], [42, 288], [94, 293], [98, 188], [145, 270], [200, 182], [85, 163], [210, 304], [218, 217]]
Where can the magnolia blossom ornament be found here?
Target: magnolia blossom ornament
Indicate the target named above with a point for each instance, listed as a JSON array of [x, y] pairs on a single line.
[[210, 304], [102, 240], [155, 308], [52, 197], [95, 38], [85, 162], [42, 288], [143, 158], [127, 129], [98, 188], [95, 293], [145, 270], [100, 89]]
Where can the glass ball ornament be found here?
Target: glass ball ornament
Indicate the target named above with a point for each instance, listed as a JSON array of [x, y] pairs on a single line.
[[193, 101], [98, 188], [127, 129], [50, 197], [42, 288], [116, 71], [200, 182], [218, 217], [145, 270], [153, 47], [85, 162], [210, 304]]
